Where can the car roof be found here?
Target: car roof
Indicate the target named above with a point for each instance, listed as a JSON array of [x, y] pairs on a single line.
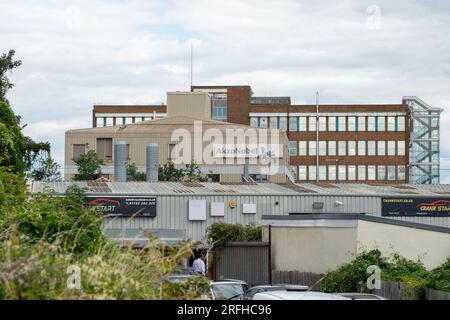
[[361, 296], [228, 281], [297, 295]]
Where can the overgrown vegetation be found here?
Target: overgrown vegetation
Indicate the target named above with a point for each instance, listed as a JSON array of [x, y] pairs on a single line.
[[89, 166], [220, 233], [351, 277], [133, 174], [190, 173]]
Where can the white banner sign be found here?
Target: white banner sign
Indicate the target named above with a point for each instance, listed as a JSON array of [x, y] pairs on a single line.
[[247, 151]]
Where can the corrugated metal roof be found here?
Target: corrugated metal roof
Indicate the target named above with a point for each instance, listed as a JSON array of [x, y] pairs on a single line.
[[179, 188]]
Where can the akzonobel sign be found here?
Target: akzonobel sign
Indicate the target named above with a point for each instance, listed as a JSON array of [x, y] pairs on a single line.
[[248, 151]]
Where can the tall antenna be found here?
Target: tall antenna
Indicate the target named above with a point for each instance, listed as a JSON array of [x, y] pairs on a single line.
[[192, 63]]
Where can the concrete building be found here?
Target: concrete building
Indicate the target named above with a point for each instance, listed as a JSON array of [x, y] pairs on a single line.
[[383, 143], [182, 139]]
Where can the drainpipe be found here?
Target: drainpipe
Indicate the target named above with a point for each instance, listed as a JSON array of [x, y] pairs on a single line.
[[317, 136]]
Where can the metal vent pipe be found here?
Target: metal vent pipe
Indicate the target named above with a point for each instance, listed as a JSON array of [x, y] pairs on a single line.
[[152, 163], [120, 161]]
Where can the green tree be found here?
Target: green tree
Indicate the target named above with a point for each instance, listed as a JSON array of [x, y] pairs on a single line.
[[89, 166], [191, 173], [134, 175], [7, 64], [45, 169]]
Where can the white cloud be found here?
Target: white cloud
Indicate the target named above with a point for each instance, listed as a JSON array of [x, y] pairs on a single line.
[[76, 53]]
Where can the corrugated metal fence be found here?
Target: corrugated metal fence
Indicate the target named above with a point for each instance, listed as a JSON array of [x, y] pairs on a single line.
[[247, 261]]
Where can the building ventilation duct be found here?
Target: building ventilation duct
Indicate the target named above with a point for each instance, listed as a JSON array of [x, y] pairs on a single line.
[[152, 162], [120, 161]]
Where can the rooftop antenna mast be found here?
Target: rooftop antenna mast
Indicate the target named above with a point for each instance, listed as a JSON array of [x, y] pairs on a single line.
[[192, 63]]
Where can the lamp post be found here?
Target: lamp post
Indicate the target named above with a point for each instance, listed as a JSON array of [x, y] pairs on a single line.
[[337, 166]]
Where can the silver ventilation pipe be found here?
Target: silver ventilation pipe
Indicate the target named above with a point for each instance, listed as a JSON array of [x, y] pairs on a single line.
[[120, 161], [152, 163]]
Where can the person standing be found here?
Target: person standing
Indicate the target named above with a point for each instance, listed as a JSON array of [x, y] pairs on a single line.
[[198, 266]]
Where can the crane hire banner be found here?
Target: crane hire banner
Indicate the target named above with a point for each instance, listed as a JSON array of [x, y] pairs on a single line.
[[124, 206], [415, 207]]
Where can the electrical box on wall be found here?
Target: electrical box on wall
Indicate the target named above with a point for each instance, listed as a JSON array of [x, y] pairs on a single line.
[[249, 208], [217, 209], [197, 210]]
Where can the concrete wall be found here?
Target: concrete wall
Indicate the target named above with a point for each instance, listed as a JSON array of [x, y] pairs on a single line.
[[312, 249], [191, 104], [433, 248]]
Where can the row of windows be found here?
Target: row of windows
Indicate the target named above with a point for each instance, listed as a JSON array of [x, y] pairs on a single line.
[[109, 121], [331, 123], [349, 173], [347, 148]]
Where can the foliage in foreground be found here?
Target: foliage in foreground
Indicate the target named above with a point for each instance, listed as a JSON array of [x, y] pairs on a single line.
[[352, 276], [42, 238], [219, 233]]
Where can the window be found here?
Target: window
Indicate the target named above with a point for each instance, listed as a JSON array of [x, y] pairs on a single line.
[[361, 148], [391, 123], [322, 148], [401, 173], [341, 124], [361, 173], [400, 124], [170, 155], [322, 173], [312, 123], [370, 123], [331, 173], [342, 173], [78, 150], [401, 147], [292, 148], [263, 122], [283, 123], [99, 122], [352, 148], [371, 148], [293, 124], [322, 124], [381, 172], [254, 122], [104, 148], [331, 148], [128, 120], [331, 123], [302, 123], [381, 148], [391, 148], [351, 123], [361, 123], [302, 174], [293, 170], [302, 148], [371, 174], [342, 148], [352, 173], [274, 122], [312, 148], [220, 112], [312, 173], [109, 122], [391, 172], [381, 123]]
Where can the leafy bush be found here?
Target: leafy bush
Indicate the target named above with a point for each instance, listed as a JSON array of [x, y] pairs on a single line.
[[352, 277], [134, 175], [89, 166], [439, 278], [219, 233]]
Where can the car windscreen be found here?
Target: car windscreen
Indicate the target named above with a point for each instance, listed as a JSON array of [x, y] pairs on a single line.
[[225, 291]]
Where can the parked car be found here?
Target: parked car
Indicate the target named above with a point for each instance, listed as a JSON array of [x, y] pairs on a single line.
[[362, 296], [276, 287], [228, 289], [297, 295]]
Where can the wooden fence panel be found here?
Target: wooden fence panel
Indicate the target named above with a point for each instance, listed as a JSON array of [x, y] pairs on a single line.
[[296, 277]]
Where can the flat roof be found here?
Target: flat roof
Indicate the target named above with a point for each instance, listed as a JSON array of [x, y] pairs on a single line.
[[217, 188]]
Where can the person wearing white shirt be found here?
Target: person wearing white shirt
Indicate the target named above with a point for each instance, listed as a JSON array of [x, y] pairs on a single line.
[[199, 266]]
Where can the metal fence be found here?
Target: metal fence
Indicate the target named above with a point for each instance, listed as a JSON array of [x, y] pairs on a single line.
[[247, 261]]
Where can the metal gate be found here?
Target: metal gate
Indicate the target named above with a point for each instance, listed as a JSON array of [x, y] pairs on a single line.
[[247, 261]]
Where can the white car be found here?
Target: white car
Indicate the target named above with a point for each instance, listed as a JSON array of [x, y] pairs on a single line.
[[297, 295], [228, 289]]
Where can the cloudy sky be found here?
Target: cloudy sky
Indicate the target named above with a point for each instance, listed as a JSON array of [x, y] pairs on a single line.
[[77, 53]]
